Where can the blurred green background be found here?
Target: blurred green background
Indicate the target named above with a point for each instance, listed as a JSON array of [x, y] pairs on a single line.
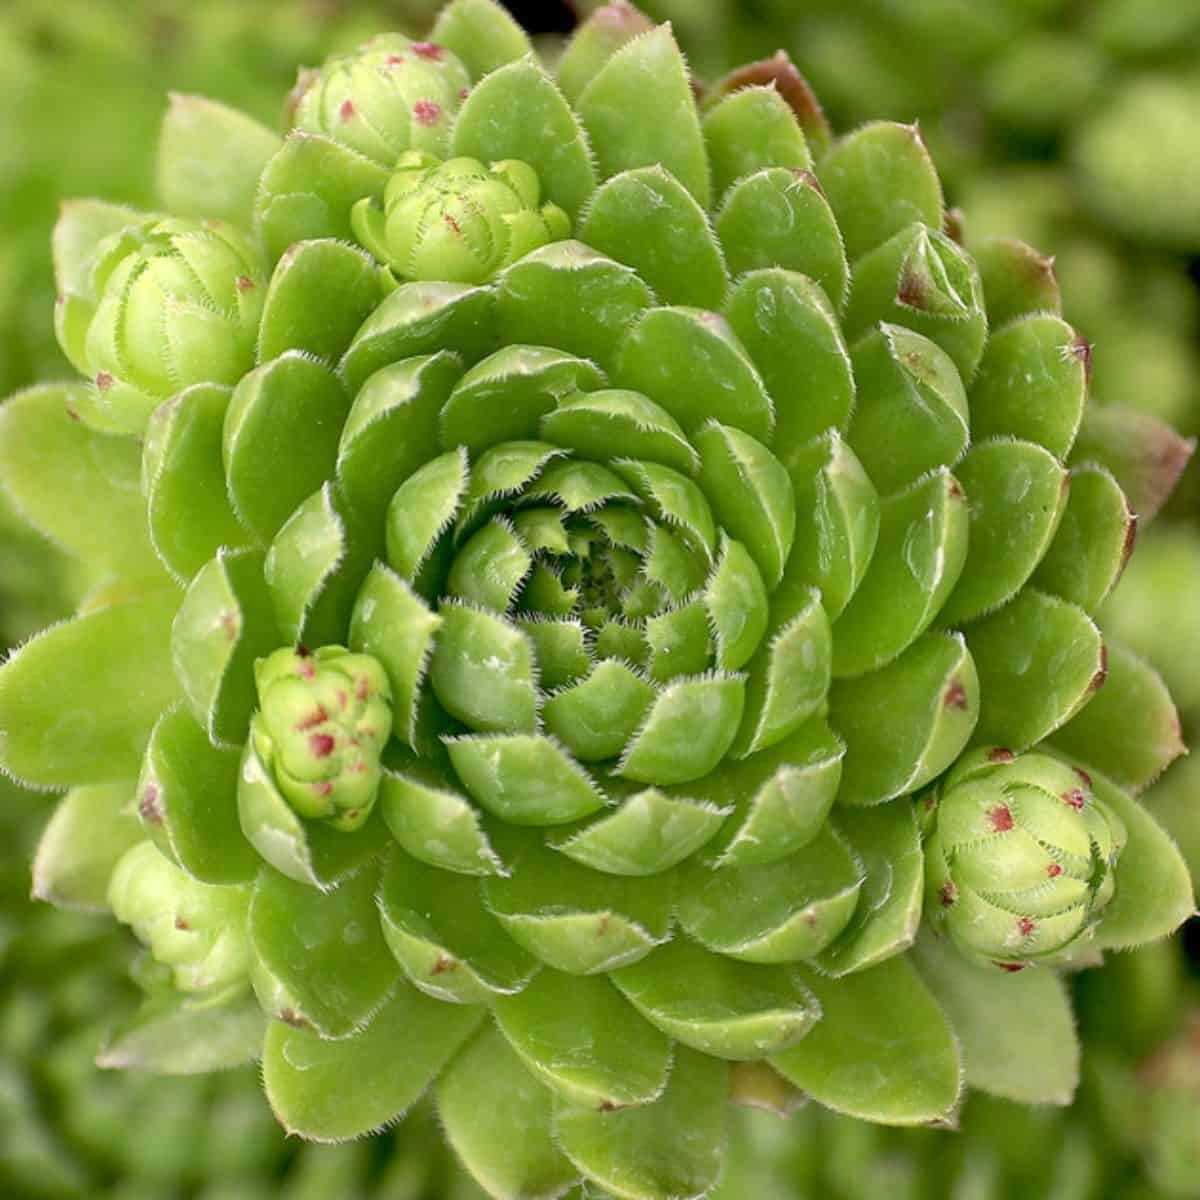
[[1070, 124]]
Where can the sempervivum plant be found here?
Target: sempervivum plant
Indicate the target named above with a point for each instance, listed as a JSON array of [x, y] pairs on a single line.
[[645, 563]]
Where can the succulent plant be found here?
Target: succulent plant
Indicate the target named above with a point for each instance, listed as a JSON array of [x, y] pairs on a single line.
[[525, 682]]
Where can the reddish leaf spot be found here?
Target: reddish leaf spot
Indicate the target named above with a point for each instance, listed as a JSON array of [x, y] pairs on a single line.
[[429, 50], [245, 283], [395, 60], [930, 801], [1074, 799], [148, 807], [444, 963], [318, 716], [358, 767], [1102, 674], [1026, 926], [289, 1016], [342, 698], [362, 688], [321, 744], [1000, 754], [1081, 351], [229, 623], [1083, 775], [948, 895], [1011, 967], [808, 179], [104, 381], [323, 788], [956, 492], [955, 695], [452, 224], [346, 112], [425, 112], [911, 291], [181, 924], [602, 925], [1001, 818], [1054, 870], [463, 93]]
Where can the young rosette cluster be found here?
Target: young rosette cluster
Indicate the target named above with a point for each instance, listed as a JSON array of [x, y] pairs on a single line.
[[527, 675]]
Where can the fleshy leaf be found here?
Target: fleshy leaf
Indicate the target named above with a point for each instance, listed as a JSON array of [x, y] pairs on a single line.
[[332, 1091], [932, 692], [186, 1035], [1016, 1028], [646, 219], [320, 958], [667, 131], [1017, 280], [90, 830], [210, 158], [584, 1040], [481, 33], [54, 469], [719, 1006], [1040, 660], [497, 1116], [670, 1148], [1130, 729], [517, 112], [751, 130], [77, 703], [883, 1050], [185, 798]]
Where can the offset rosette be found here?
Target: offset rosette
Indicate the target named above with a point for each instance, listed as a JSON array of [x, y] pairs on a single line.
[[161, 304], [1019, 857], [457, 220], [684, 547]]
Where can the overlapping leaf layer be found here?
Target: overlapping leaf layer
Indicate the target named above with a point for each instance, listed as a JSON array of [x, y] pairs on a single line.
[[682, 553]]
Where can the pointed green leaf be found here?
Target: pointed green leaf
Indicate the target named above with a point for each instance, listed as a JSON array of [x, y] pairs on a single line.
[[481, 33], [594, 42], [670, 1148], [391, 430], [689, 361], [517, 112], [525, 779], [888, 843], [224, 623], [186, 1035], [183, 480], [1130, 730], [1016, 1029], [911, 414], [1153, 894], [646, 219], [497, 1117], [584, 1040], [790, 330], [596, 717], [291, 410], [77, 703], [667, 130], [90, 830], [932, 693], [574, 919], [1093, 541], [880, 179], [568, 296], [751, 130], [186, 801], [446, 942], [82, 225], [779, 218], [1032, 384], [57, 471], [320, 958], [349, 285], [1017, 280], [210, 158], [718, 1006], [1040, 660], [883, 1050], [918, 559], [332, 1091], [417, 319], [307, 190], [776, 912], [1016, 494]]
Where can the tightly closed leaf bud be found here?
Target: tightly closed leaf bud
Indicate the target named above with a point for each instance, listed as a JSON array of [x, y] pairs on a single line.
[[389, 96], [1019, 855], [323, 722], [168, 303], [194, 928], [457, 220]]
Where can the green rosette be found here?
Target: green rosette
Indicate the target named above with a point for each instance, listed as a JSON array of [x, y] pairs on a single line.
[[662, 557]]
